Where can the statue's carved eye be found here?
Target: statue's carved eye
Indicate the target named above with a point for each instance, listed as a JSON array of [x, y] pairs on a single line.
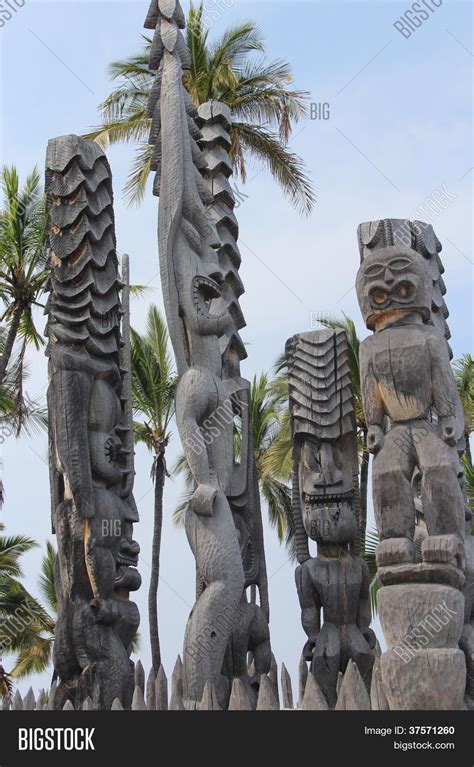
[[374, 270], [379, 296], [404, 290], [399, 263]]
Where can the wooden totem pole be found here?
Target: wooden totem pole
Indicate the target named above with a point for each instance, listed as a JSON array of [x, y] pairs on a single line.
[[199, 261], [333, 587], [90, 432], [412, 411]]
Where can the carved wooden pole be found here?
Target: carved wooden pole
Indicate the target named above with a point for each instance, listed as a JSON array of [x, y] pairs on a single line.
[[90, 433], [412, 411], [199, 260]]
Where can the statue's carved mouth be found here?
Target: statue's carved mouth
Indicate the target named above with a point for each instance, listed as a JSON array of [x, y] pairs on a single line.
[[327, 499], [204, 290], [123, 564]]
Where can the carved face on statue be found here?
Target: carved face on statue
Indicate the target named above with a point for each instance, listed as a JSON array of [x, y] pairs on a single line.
[[394, 279], [326, 488], [128, 578], [199, 279], [106, 448]]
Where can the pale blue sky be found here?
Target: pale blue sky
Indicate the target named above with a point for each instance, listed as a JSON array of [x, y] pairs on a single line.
[[400, 127]]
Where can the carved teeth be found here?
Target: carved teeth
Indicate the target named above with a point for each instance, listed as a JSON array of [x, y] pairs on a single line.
[[327, 500], [204, 290]]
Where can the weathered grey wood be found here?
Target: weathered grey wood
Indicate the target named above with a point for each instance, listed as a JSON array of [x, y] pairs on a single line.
[[415, 430], [6, 704], [17, 704], [41, 701], [326, 506], [29, 702], [138, 702], [378, 699], [150, 692], [68, 706], [199, 262], [353, 694], [286, 689], [313, 699], [302, 679], [239, 700], [90, 430], [116, 705], [161, 690], [87, 705], [209, 700], [52, 697], [267, 700], [176, 702], [273, 677], [140, 676]]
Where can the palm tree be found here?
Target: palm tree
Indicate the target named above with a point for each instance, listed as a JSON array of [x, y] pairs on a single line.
[[19, 413], [463, 369], [36, 646], [269, 423], [26, 628], [153, 388], [262, 105], [23, 259]]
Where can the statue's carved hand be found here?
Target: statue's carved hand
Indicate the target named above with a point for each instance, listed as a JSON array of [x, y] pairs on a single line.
[[369, 635], [102, 610], [202, 500], [448, 430], [308, 650], [375, 439]]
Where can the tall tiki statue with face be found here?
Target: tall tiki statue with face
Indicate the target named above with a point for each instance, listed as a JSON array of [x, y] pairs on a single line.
[[90, 432], [412, 411]]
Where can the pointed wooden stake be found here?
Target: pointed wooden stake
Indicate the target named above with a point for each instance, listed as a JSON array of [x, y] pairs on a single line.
[[313, 699], [138, 702], [353, 695], [302, 679], [161, 691], [239, 700], [29, 703], [267, 700], [286, 689], [150, 691], [209, 700], [140, 676]]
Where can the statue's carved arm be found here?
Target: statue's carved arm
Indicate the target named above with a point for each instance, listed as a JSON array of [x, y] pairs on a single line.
[[371, 399], [364, 616], [193, 403], [72, 392], [442, 384], [310, 603]]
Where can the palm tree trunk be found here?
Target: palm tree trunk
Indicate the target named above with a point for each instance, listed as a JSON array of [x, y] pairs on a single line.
[[11, 337], [160, 474], [364, 483]]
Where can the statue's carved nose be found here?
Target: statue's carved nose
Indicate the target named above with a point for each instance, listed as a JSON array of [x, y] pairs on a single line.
[[388, 276], [330, 475]]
